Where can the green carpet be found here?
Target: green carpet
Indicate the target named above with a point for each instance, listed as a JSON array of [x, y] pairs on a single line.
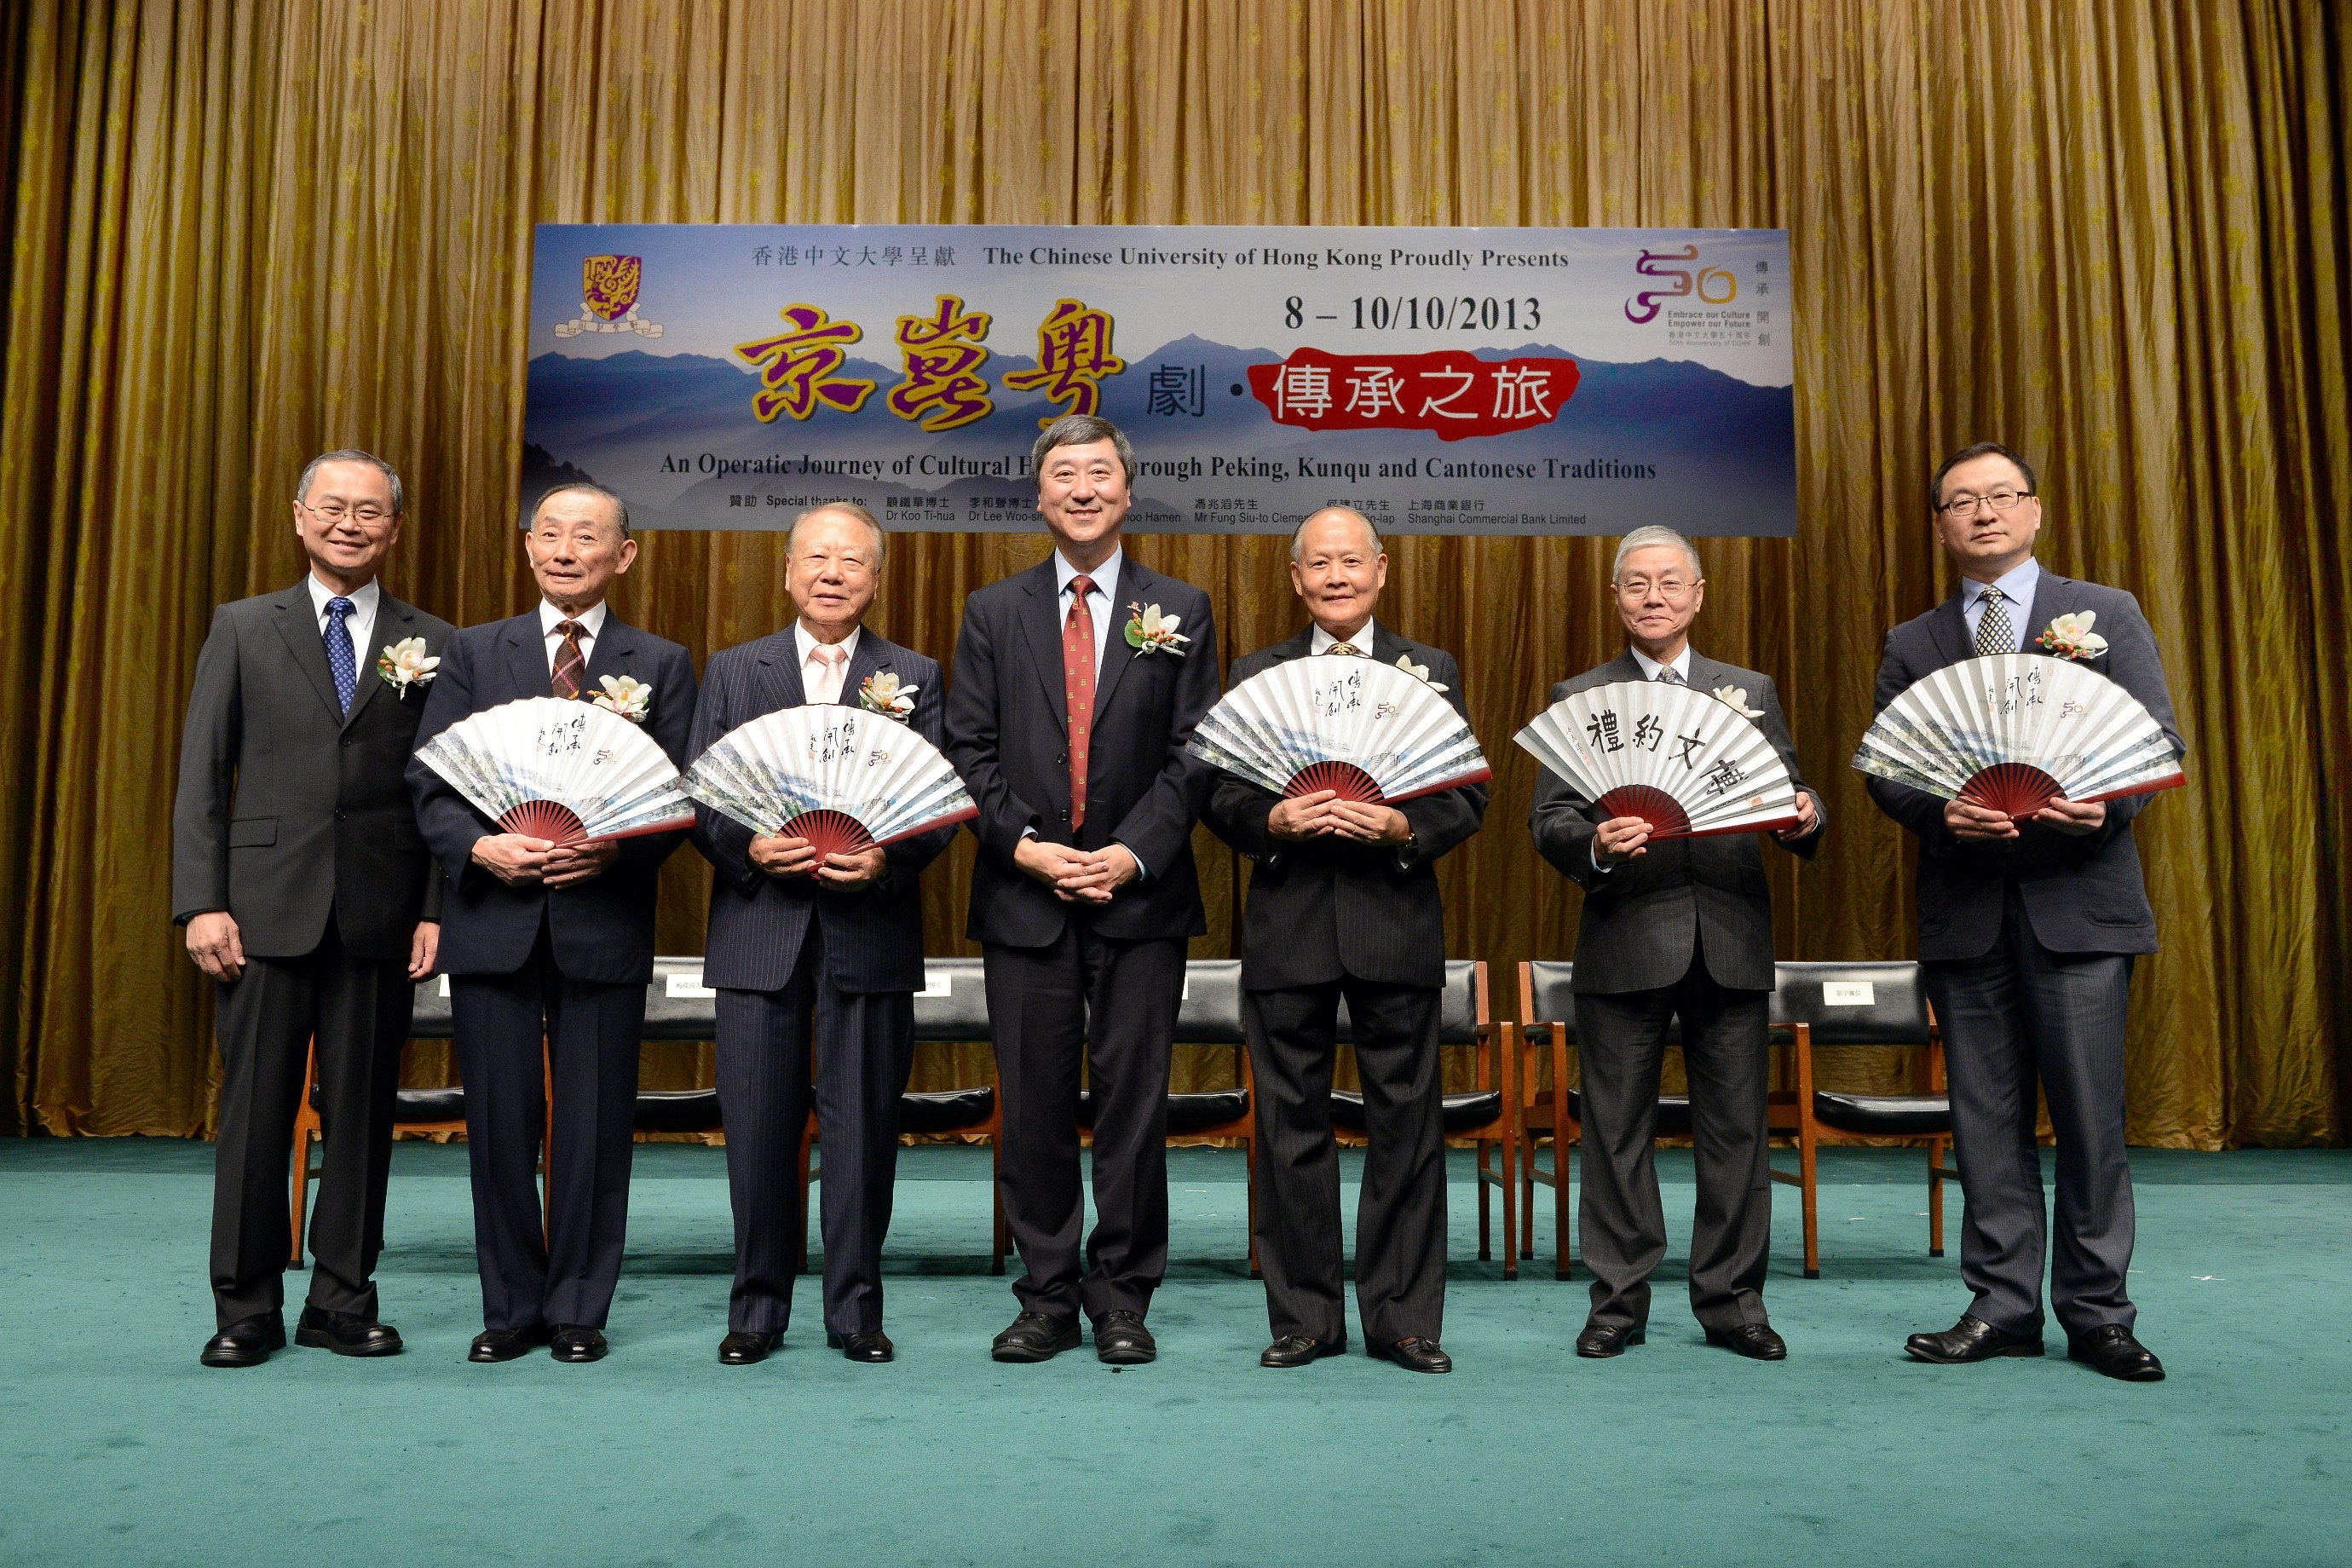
[[116, 1448]]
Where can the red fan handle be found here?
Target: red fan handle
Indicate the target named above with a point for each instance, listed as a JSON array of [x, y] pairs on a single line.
[[544, 819], [1662, 811], [830, 832], [1352, 782], [2016, 790]]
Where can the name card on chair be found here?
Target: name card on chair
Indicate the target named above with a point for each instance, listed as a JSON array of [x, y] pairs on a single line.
[[444, 985], [937, 982], [686, 985], [1848, 994]]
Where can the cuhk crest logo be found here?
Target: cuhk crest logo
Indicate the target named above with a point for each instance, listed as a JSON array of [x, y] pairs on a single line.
[[608, 298]]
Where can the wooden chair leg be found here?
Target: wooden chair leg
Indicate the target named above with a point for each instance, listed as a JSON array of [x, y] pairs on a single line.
[[1510, 1184], [1807, 1144], [1562, 1136], [1935, 1147], [1249, 1155], [1486, 1249], [306, 1122]]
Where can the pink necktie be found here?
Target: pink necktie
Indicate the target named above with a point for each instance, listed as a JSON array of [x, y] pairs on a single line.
[[830, 659]]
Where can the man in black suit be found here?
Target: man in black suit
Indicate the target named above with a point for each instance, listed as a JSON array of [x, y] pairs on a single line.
[[1343, 903], [790, 937], [2027, 934], [1680, 929], [308, 896], [552, 942], [1078, 684]]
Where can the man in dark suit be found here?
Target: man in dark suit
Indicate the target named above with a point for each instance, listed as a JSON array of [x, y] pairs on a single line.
[[1680, 929], [790, 937], [1078, 684], [307, 894], [542, 942], [1343, 903], [2027, 934]]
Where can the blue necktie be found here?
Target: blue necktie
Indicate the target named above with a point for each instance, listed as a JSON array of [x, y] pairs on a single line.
[[340, 659]]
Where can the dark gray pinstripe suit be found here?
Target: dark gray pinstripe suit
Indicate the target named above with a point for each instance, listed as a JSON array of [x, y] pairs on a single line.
[[791, 963], [1327, 918]]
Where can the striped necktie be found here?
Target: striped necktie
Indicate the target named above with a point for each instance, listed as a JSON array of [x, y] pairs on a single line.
[[571, 664], [1994, 634]]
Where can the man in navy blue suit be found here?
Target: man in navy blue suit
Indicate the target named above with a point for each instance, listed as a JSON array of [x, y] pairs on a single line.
[[793, 940], [555, 941], [1078, 684], [2027, 934]]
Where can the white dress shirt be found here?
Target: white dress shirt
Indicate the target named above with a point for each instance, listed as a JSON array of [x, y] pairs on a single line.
[[361, 622], [819, 681], [1105, 594], [1680, 663], [1320, 642], [592, 621], [2016, 587]]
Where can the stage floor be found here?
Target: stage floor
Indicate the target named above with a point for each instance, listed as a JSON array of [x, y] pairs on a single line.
[[117, 1447]]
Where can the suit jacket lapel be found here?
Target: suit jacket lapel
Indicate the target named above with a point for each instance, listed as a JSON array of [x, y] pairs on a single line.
[[1292, 647], [1041, 624], [780, 672], [297, 625], [392, 621], [1624, 668], [1950, 628], [872, 658], [612, 651], [1134, 586], [2052, 596]]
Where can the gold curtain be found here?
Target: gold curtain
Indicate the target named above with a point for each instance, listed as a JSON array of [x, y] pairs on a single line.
[[2110, 231]]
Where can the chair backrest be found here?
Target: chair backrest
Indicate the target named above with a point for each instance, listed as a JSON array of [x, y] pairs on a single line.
[[678, 1006], [1461, 1012], [1548, 992], [1211, 1013], [952, 1005], [1865, 1003], [429, 1018]]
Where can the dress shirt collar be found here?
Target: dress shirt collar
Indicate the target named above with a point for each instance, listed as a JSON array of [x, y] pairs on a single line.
[[805, 642], [2016, 584], [1106, 575], [1320, 641], [363, 599], [1649, 667], [592, 619]]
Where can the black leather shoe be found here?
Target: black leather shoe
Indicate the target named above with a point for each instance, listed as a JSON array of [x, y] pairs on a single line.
[[1297, 1350], [573, 1343], [1415, 1354], [1033, 1336], [1600, 1341], [1121, 1339], [345, 1333], [245, 1343], [506, 1344], [746, 1347], [2113, 1351], [874, 1348], [1970, 1339], [1757, 1342]]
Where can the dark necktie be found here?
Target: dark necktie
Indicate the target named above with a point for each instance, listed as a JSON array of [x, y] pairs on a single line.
[[340, 659], [1078, 689], [1344, 649], [571, 664], [1994, 634]]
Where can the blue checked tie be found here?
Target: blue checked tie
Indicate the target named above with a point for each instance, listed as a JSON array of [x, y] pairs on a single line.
[[340, 657]]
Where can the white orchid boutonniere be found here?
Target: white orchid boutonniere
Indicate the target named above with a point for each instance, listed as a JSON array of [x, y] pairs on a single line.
[[1404, 662], [883, 694], [2071, 636], [1148, 631], [403, 664], [1736, 697], [627, 695]]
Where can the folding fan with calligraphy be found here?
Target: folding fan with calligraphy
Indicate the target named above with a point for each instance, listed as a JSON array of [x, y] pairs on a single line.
[[1369, 730], [560, 770], [1688, 763], [843, 778]]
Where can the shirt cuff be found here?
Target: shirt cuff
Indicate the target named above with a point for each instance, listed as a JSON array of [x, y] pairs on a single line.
[[1597, 865]]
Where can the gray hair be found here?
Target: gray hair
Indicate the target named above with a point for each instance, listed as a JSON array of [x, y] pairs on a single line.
[[352, 455], [1649, 539], [1082, 430], [847, 509], [1299, 534], [583, 487]]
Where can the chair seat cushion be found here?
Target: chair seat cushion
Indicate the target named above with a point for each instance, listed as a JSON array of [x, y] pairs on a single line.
[[1885, 1115], [1460, 1113], [1190, 1112], [946, 1109], [677, 1110], [1673, 1119], [422, 1104]]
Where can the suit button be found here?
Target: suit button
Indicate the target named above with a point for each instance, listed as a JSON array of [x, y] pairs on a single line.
[[339, 814], [347, 740], [1066, 816], [1064, 758]]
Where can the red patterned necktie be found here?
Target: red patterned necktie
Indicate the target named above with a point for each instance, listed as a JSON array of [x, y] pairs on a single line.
[[1078, 689], [571, 664]]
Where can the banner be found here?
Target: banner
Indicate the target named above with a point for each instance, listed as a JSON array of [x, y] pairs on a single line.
[[1441, 380]]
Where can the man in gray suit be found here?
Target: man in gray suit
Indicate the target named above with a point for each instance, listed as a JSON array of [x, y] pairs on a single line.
[[2027, 934], [815, 957], [297, 869], [1681, 928]]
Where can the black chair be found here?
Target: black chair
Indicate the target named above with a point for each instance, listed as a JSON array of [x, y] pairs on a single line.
[[1487, 1113], [1877, 1004]]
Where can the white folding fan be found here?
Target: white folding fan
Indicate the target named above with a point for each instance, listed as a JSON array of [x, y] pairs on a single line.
[[1371, 731], [1690, 764], [843, 779], [2013, 732], [561, 770]]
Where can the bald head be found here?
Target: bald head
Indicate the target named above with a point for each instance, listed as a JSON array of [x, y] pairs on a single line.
[[1347, 516]]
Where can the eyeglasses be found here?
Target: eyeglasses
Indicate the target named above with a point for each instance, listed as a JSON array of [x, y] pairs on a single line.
[[1960, 508], [365, 514], [1639, 587]]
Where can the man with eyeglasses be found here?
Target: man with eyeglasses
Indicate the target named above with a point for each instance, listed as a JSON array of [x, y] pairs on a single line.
[[310, 901], [1677, 931], [2027, 934]]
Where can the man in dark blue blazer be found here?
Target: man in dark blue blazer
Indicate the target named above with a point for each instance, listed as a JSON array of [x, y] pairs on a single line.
[[1078, 684], [2027, 934], [1344, 905], [555, 942], [791, 938]]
